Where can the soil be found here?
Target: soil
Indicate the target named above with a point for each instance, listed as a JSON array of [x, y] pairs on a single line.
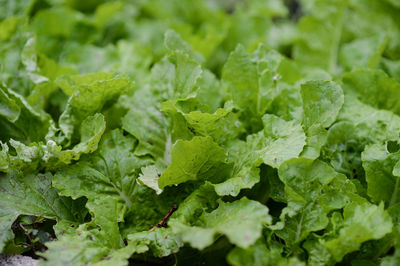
[[17, 260]]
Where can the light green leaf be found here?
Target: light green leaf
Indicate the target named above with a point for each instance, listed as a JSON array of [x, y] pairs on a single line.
[[222, 125], [8, 27], [177, 74], [240, 221], [322, 101], [196, 159], [312, 190], [8, 107], [252, 79], [379, 163], [372, 87], [88, 94], [161, 242], [365, 52], [259, 255], [91, 130], [278, 142], [85, 246], [361, 223], [371, 124], [148, 125], [319, 36], [149, 177]]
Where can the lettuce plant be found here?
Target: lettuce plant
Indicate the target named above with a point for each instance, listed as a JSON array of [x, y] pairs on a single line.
[[200, 132]]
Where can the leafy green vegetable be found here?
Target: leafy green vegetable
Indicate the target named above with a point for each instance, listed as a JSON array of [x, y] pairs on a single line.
[[241, 222], [191, 160], [200, 132], [359, 225], [33, 195]]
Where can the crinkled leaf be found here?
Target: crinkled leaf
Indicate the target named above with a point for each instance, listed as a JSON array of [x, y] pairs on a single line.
[[110, 172], [91, 130], [278, 142], [26, 125], [149, 177], [322, 101], [146, 122], [312, 189], [258, 255], [252, 79], [381, 175], [33, 195], [361, 223], [196, 159], [161, 242], [88, 95], [320, 34], [371, 125], [372, 87], [8, 107], [240, 221], [85, 247]]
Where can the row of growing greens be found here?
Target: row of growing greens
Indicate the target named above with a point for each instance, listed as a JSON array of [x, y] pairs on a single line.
[[272, 126]]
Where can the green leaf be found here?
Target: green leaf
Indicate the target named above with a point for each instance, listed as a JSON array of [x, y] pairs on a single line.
[[322, 101], [161, 242], [381, 173], [371, 86], [196, 159], [258, 255], [91, 130], [177, 74], [319, 36], [361, 223], [371, 125], [106, 213], [318, 253], [365, 52], [312, 190], [343, 149], [32, 194], [252, 78], [8, 107], [22, 122], [4, 157], [222, 125], [85, 247], [110, 172], [88, 95], [278, 142], [8, 27], [149, 126], [240, 221]]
